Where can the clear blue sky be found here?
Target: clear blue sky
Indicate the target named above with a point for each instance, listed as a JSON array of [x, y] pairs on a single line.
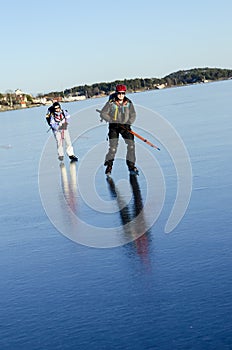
[[52, 45]]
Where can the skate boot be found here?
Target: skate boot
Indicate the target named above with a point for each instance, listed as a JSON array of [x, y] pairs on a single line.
[[133, 170], [73, 158]]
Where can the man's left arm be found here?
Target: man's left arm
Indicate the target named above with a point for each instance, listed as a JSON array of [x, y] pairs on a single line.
[[132, 114]]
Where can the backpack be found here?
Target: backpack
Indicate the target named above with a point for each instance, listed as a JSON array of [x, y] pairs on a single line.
[[50, 111]]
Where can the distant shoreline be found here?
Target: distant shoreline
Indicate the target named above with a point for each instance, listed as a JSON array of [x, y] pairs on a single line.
[[61, 100]]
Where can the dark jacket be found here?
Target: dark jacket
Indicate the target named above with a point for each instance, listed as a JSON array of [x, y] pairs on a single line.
[[114, 112]]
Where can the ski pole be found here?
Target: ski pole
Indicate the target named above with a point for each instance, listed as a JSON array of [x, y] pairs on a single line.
[[137, 135], [141, 138]]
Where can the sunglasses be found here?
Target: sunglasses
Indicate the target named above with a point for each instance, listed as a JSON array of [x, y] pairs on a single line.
[[121, 93]]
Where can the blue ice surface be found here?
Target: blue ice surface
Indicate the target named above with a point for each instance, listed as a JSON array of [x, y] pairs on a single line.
[[160, 291]]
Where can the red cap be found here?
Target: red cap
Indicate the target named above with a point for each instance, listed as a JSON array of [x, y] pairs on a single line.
[[120, 88]]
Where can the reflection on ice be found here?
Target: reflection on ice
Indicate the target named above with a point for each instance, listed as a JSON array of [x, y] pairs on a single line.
[[69, 185], [132, 217]]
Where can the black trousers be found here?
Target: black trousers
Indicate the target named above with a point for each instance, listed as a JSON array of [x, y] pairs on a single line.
[[114, 131]]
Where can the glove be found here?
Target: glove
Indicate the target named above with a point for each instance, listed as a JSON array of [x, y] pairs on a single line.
[[63, 126]]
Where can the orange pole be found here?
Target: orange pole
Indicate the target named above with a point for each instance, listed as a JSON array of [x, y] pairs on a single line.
[[142, 138], [137, 135]]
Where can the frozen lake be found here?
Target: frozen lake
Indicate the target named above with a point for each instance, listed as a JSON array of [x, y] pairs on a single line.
[[134, 263]]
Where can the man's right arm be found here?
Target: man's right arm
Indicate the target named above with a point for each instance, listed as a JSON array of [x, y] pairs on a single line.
[[105, 112]]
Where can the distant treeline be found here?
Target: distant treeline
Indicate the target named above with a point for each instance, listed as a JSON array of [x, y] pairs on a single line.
[[182, 77]]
